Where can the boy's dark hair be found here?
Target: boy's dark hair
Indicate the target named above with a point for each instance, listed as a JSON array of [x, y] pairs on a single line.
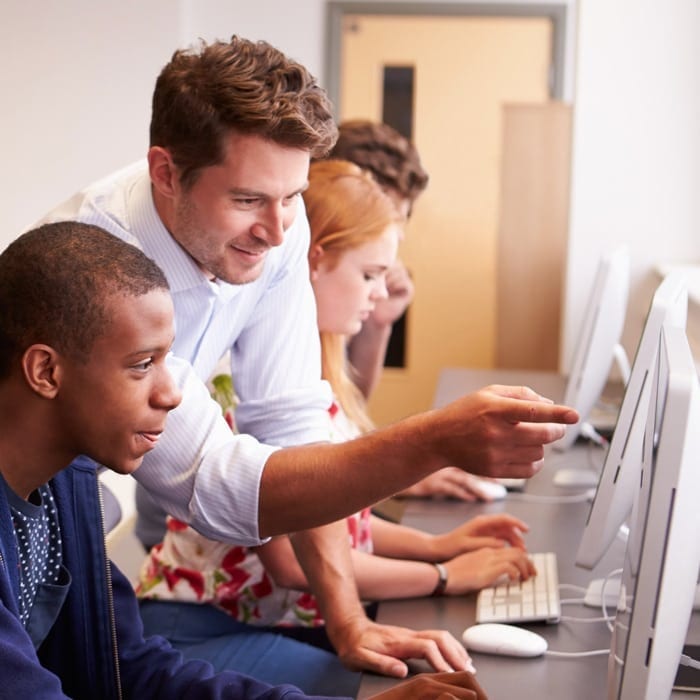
[[55, 282], [249, 87], [389, 156]]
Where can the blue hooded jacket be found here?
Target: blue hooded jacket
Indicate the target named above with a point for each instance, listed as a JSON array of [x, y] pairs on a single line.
[[96, 647]]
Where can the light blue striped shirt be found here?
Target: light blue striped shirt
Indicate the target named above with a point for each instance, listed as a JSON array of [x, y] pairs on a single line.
[[200, 472]]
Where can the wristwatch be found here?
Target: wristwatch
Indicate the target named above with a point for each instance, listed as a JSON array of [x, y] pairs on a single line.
[[442, 580]]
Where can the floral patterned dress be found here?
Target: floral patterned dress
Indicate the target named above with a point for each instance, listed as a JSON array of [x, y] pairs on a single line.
[[188, 567]]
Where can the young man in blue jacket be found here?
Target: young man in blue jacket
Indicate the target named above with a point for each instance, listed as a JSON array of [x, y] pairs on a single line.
[[86, 322]]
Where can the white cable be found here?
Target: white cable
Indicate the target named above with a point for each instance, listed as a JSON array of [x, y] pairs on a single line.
[[564, 618], [572, 654], [686, 660], [589, 432], [603, 606]]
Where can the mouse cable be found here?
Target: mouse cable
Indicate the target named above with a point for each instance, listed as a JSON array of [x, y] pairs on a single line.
[[571, 587], [575, 654]]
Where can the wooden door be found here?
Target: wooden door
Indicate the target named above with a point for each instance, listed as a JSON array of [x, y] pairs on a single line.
[[465, 70]]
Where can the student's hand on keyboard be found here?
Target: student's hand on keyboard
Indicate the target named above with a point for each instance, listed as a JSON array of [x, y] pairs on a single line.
[[476, 570], [534, 600], [436, 686], [495, 531]]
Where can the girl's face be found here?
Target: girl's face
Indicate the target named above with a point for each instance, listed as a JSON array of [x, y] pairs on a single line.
[[347, 292]]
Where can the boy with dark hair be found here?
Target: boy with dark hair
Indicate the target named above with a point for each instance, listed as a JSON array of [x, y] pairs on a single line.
[[86, 323]]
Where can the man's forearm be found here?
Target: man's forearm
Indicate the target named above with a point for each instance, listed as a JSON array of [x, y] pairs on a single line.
[[324, 554], [333, 481], [498, 431]]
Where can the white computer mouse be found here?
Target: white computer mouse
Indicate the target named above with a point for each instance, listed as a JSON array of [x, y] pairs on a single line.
[[506, 640], [491, 489]]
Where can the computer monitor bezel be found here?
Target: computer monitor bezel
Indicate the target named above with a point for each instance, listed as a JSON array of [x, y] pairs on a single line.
[[619, 475], [600, 334], [663, 552]]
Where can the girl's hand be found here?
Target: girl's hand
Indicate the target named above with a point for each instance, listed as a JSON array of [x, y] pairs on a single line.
[[495, 531], [476, 570]]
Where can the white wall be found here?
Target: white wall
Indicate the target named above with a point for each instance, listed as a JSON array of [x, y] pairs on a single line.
[[77, 78], [76, 82], [636, 159], [78, 75]]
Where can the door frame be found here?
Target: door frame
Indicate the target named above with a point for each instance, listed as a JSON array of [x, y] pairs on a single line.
[[557, 13]]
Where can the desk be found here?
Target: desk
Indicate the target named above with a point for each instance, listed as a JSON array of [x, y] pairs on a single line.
[[553, 527]]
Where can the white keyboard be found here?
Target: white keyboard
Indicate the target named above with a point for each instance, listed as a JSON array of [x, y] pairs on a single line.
[[534, 600]]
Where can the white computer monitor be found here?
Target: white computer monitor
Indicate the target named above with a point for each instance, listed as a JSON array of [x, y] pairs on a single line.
[[619, 475], [598, 340], [663, 552]]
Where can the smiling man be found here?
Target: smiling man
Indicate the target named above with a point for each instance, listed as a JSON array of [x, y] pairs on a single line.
[[217, 205], [230, 217]]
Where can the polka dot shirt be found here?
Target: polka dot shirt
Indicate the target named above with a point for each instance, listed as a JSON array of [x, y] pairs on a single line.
[[39, 543]]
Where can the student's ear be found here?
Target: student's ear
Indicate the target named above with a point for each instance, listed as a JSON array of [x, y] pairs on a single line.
[[42, 370], [316, 254], [162, 170]]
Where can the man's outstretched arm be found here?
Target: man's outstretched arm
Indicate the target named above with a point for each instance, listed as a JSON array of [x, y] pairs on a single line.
[[497, 431]]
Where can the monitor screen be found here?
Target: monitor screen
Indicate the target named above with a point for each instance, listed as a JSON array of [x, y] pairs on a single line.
[[600, 334], [619, 476], [663, 552]]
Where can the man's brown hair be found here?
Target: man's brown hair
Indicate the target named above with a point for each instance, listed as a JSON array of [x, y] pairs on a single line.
[[207, 91]]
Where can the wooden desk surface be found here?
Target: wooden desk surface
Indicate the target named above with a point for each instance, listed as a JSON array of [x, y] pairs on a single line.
[[554, 526]]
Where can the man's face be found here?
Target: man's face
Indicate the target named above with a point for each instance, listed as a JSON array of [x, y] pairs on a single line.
[[237, 210], [114, 406]]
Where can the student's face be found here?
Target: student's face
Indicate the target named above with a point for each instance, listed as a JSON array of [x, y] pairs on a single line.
[[346, 293], [237, 210], [114, 406]]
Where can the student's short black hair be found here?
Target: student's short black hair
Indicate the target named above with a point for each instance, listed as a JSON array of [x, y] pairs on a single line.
[[55, 282]]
